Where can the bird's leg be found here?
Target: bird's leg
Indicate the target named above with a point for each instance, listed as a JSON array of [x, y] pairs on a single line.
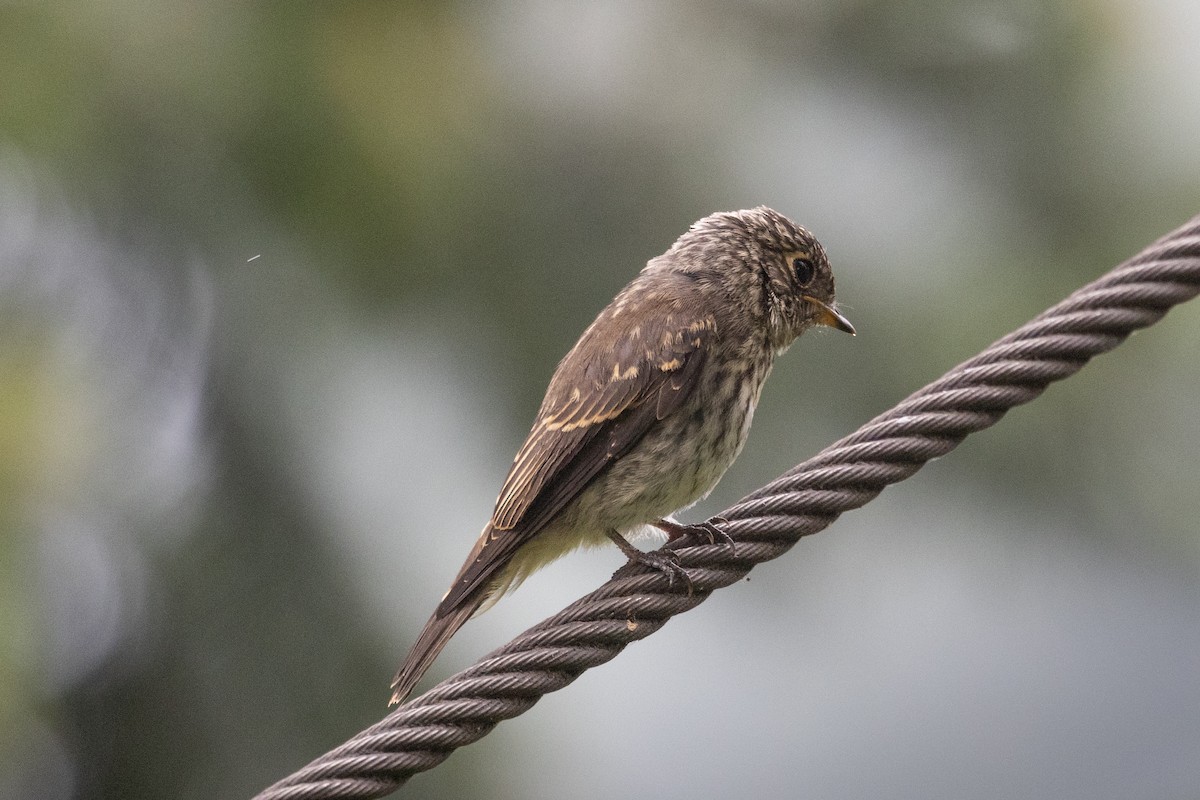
[[706, 530], [665, 561]]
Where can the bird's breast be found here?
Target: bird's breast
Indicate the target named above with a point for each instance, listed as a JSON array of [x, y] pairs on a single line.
[[682, 457]]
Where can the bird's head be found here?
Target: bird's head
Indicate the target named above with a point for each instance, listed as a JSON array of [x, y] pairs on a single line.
[[762, 256]]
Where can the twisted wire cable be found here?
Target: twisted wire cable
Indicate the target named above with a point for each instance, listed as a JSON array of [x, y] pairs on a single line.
[[636, 602]]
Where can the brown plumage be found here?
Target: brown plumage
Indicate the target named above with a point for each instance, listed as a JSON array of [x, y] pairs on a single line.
[[648, 410]]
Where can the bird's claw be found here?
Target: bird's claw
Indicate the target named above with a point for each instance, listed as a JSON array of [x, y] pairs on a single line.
[[709, 530], [666, 562]]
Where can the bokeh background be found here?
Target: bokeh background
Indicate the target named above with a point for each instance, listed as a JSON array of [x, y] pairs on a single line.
[[281, 285]]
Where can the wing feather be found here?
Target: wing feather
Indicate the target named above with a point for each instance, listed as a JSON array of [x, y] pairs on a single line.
[[600, 403]]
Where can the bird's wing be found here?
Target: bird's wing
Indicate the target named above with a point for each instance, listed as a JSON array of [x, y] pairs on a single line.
[[607, 392]]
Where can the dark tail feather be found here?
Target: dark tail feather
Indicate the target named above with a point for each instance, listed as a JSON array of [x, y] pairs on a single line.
[[433, 638]]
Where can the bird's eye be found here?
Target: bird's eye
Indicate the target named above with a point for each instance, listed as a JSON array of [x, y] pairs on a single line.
[[804, 269]]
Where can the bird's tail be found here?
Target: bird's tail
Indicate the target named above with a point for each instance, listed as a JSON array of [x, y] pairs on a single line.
[[433, 638]]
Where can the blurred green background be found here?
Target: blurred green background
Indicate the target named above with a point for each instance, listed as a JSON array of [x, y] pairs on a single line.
[[281, 285]]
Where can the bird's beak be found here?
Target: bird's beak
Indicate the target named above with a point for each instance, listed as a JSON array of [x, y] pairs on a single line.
[[828, 316]]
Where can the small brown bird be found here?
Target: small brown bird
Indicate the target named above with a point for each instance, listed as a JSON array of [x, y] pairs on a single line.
[[648, 410]]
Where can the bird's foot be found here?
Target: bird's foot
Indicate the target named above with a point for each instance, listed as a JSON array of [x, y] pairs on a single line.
[[664, 561], [702, 530]]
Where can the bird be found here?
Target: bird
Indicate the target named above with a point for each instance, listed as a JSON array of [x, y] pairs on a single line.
[[646, 412]]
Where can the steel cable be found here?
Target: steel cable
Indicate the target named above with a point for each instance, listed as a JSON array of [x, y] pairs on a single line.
[[848, 474]]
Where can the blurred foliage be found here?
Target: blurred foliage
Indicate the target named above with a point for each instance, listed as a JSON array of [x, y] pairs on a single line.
[[237, 240]]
